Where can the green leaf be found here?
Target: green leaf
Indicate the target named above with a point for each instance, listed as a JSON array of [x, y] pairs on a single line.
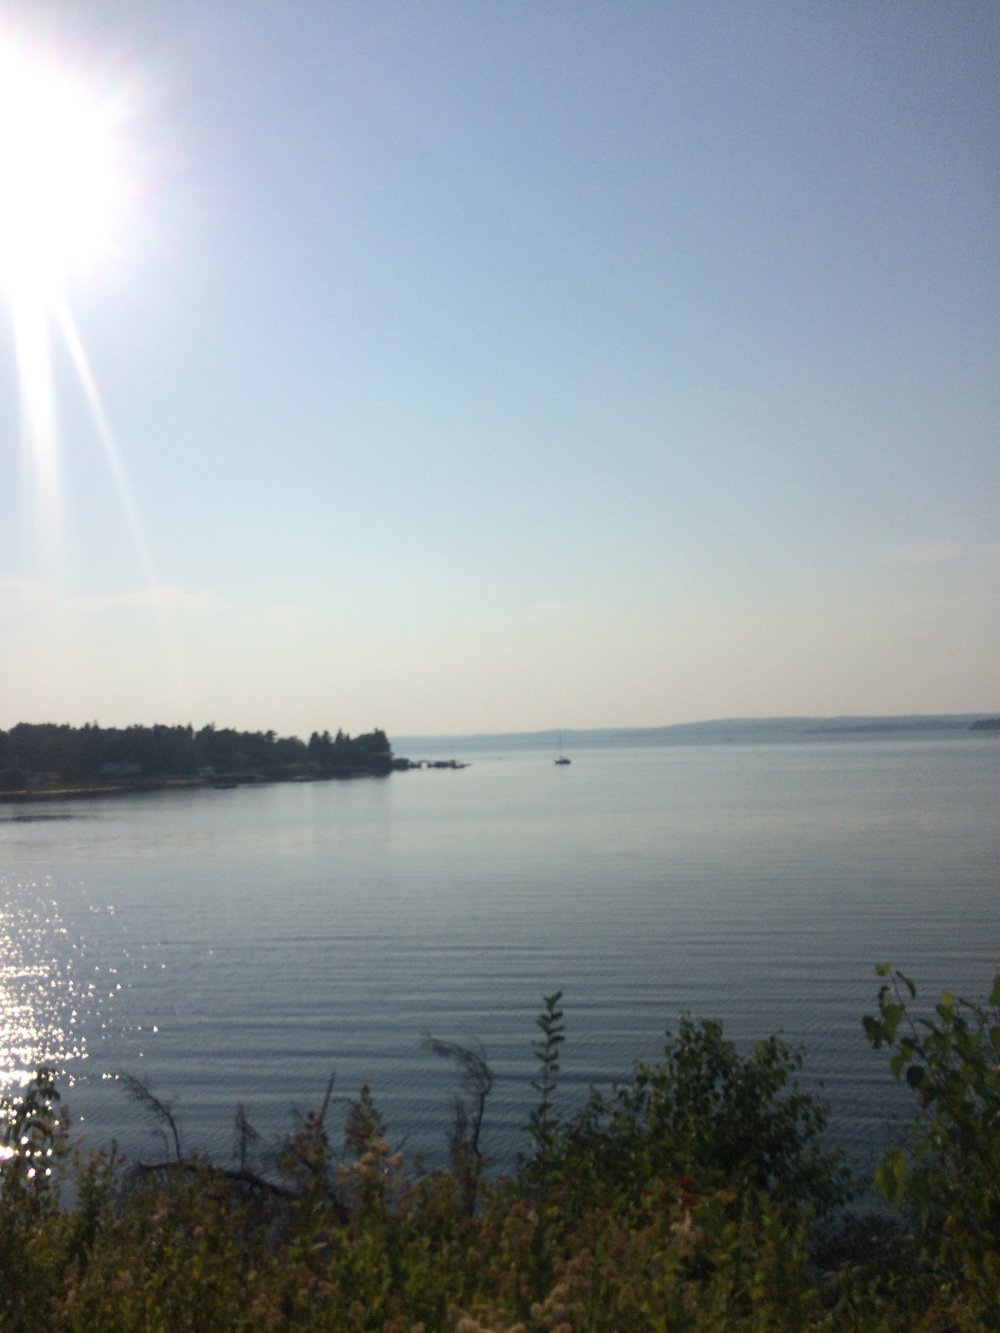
[[890, 1176], [900, 976], [892, 1015], [873, 1031]]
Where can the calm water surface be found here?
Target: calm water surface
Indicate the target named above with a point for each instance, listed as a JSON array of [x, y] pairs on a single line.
[[235, 946]]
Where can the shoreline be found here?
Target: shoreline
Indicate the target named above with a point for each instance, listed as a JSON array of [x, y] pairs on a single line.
[[27, 795], [221, 782]]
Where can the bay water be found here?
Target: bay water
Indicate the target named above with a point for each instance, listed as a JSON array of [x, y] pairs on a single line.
[[237, 946]]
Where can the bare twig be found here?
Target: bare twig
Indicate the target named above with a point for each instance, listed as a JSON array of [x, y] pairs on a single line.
[[141, 1092]]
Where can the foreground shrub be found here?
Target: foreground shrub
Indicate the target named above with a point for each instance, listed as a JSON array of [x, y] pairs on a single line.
[[946, 1178], [704, 1118], [684, 1198]]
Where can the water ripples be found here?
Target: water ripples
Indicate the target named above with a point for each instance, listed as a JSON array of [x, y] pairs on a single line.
[[251, 941]]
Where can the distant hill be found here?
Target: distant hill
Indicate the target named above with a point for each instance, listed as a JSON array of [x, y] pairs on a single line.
[[720, 731]]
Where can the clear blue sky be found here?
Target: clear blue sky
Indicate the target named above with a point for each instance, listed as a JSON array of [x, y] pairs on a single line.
[[499, 366]]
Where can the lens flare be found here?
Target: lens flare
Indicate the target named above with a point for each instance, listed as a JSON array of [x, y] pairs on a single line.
[[63, 192], [61, 188]]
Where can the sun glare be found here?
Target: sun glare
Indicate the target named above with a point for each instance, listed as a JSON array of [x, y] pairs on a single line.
[[60, 186], [63, 179]]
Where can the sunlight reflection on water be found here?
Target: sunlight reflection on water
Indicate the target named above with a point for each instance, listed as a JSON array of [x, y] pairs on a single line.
[[56, 989], [41, 998]]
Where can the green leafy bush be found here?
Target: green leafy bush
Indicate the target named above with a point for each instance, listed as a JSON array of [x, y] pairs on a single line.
[[683, 1198], [704, 1118], [946, 1178]]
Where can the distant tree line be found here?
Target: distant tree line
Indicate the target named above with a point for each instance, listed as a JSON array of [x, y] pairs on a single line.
[[83, 754]]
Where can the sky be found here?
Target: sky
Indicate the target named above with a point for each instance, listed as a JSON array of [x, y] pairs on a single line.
[[461, 367]]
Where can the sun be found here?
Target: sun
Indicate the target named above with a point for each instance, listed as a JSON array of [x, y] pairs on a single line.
[[63, 207], [61, 188]]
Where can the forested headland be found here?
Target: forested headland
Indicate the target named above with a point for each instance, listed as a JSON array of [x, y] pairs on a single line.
[[39, 756]]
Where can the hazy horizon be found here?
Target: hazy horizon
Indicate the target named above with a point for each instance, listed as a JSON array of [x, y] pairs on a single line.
[[456, 368], [775, 722]]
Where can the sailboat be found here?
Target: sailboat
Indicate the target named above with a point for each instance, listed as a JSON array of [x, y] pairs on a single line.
[[560, 757]]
